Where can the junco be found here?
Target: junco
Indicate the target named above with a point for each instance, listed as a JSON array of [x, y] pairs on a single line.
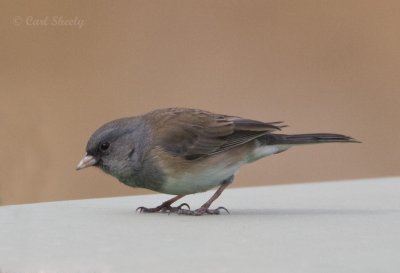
[[183, 151]]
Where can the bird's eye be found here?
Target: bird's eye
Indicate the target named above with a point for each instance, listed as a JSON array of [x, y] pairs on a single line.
[[104, 146]]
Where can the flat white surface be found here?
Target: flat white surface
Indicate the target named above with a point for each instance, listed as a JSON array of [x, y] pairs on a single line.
[[348, 226]]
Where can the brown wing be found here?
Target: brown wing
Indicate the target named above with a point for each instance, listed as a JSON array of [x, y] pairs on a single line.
[[192, 133]]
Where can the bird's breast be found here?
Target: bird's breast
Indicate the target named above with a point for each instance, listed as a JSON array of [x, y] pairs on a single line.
[[183, 176], [189, 182]]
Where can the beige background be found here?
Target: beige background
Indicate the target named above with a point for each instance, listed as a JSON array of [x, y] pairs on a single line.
[[321, 66]]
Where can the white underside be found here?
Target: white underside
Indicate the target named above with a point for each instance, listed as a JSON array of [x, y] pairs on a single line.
[[189, 183], [212, 177], [267, 150]]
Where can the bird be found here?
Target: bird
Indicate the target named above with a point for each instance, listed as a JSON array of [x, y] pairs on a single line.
[[182, 151]]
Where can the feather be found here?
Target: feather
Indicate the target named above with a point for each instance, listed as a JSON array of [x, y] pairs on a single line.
[[192, 133]]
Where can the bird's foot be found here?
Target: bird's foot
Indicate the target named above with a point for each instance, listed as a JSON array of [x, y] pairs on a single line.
[[202, 211], [164, 208]]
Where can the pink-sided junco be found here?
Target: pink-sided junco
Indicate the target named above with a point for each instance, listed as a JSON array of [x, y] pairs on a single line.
[[183, 151]]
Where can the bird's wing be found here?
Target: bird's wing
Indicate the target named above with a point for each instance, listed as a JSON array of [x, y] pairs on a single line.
[[192, 133]]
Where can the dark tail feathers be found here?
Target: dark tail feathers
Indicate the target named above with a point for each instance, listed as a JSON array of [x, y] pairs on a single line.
[[273, 139]]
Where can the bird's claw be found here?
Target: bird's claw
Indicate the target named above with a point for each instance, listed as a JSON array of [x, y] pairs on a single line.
[[222, 208], [202, 211], [144, 209], [164, 209], [177, 209], [182, 211]]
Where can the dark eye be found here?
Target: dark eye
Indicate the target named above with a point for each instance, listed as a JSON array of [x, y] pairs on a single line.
[[104, 146]]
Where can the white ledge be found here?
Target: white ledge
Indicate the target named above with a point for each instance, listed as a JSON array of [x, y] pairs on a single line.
[[348, 226]]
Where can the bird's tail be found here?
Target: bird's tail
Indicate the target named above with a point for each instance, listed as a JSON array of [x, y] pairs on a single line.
[[273, 139]]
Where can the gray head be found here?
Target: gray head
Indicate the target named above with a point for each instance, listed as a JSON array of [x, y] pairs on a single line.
[[116, 147]]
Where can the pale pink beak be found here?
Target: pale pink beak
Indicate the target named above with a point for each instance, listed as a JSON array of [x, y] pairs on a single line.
[[86, 161]]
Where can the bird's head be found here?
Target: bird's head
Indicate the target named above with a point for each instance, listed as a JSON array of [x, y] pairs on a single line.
[[113, 147]]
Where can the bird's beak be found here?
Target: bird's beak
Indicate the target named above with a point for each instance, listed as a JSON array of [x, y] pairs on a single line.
[[86, 161]]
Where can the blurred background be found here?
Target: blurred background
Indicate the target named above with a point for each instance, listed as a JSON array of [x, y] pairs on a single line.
[[67, 67]]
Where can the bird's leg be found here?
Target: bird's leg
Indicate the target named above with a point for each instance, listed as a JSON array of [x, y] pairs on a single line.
[[204, 209], [166, 206]]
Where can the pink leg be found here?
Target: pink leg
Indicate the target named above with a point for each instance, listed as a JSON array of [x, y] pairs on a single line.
[[204, 209]]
